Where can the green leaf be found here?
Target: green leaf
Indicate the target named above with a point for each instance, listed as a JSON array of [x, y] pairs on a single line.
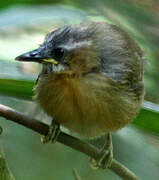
[[148, 118], [17, 88]]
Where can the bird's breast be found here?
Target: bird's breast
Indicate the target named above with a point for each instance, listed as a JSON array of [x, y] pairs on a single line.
[[90, 105]]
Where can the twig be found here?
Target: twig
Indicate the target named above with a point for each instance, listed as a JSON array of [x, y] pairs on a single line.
[[76, 175], [5, 173], [65, 139]]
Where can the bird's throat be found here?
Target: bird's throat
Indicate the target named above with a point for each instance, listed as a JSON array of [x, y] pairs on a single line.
[[53, 68]]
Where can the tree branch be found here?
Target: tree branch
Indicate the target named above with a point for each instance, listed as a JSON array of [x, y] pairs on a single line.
[[65, 139]]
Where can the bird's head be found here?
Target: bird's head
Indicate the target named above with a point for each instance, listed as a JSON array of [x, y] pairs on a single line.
[[85, 48], [73, 48]]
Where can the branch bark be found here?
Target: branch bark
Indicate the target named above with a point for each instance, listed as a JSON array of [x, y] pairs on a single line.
[[65, 139]]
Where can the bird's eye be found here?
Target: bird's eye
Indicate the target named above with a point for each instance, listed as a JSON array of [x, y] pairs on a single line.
[[58, 53]]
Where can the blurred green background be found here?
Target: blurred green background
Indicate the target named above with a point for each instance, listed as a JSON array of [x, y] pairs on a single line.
[[23, 26]]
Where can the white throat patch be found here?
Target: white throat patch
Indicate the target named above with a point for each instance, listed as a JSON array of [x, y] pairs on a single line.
[[58, 67]]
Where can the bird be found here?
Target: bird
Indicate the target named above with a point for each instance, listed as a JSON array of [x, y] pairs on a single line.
[[91, 80]]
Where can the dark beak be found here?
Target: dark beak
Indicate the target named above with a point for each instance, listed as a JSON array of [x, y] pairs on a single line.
[[32, 56]]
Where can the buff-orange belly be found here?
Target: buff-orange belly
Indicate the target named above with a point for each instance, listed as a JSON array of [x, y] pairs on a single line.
[[89, 110]]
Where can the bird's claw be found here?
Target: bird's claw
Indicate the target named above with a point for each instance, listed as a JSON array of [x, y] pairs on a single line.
[[54, 131], [106, 158], [104, 162]]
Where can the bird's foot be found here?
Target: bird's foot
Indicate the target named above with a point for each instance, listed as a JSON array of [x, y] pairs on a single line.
[[54, 131], [106, 158], [104, 162]]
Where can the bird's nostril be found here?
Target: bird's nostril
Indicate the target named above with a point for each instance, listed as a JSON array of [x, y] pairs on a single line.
[[34, 53]]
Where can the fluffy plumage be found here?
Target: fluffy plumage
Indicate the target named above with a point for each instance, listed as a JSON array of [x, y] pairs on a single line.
[[97, 87]]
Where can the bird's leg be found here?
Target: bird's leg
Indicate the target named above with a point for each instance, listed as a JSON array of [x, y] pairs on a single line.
[[54, 131], [106, 155]]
